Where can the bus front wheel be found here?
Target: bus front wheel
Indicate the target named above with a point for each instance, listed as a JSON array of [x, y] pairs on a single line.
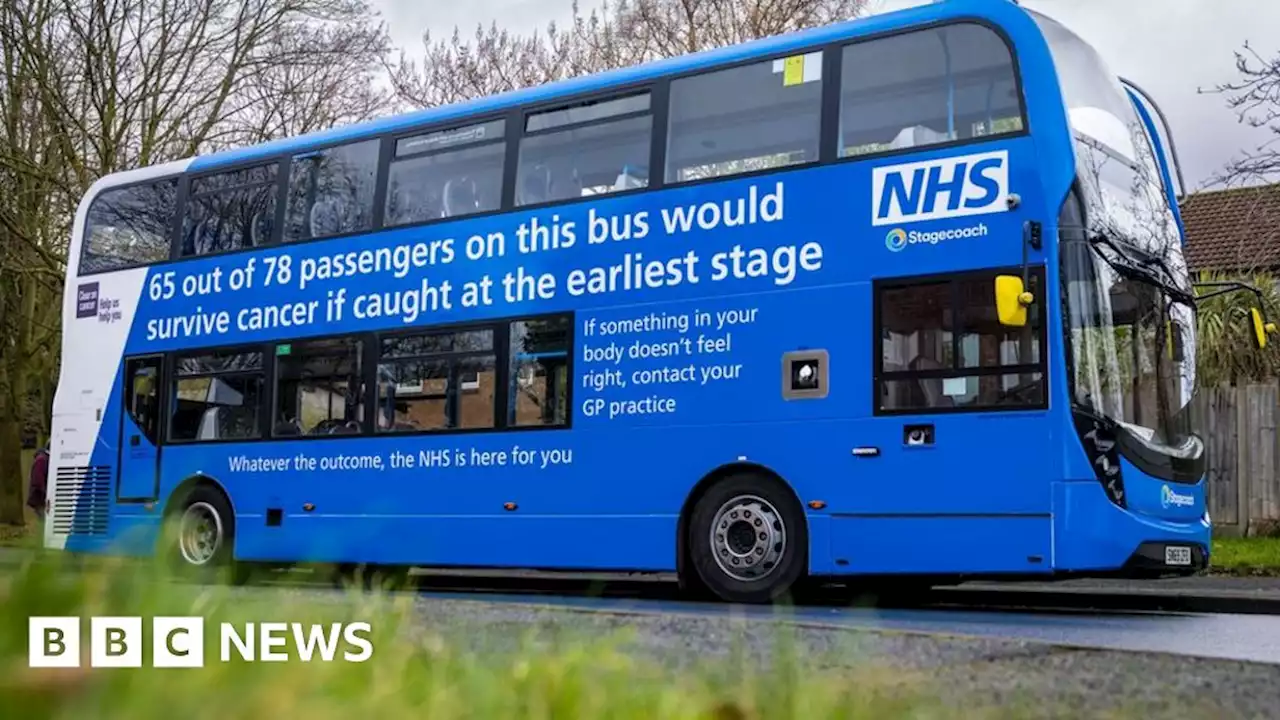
[[747, 539], [200, 535]]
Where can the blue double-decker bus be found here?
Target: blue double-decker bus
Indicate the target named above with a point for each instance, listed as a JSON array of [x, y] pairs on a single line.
[[903, 296]]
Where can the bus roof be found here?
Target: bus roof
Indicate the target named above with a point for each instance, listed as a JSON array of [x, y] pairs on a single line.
[[597, 82]]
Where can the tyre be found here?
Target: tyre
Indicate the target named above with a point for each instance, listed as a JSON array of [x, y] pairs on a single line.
[[200, 538], [747, 539]]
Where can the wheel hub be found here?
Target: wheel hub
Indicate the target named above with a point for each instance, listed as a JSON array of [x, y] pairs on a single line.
[[748, 538], [200, 533]]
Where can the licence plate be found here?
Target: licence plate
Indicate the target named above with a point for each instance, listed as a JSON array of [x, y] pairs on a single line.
[[1177, 555]]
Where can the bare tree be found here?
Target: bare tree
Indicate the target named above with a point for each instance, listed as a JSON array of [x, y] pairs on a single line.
[[616, 35], [33, 187], [137, 82], [323, 76], [90, 87], [1255, 98], [664, 28]]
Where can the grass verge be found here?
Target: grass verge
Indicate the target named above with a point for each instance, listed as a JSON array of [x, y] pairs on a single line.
[[414, 670], [1253, 556]]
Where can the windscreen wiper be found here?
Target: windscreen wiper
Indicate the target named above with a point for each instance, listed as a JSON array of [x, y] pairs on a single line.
[[1227, 286], [1140, 269]]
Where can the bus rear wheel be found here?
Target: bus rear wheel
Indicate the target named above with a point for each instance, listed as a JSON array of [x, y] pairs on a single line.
[[747, 539], [200, 536]]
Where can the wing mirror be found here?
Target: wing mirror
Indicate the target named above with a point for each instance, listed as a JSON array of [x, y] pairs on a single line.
[[1012, 300], [1261, 328]]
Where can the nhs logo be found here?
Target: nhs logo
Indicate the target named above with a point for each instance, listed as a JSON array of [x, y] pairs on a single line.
[[939, 189]]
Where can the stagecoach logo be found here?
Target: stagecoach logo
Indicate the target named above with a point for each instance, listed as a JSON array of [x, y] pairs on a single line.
[[1170, 498], [87, 300], [896, 240]]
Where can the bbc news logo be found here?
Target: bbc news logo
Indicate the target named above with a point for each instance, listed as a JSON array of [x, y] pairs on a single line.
[[179, 642]]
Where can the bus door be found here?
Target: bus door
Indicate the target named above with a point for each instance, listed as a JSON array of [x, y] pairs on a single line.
[[139, 476], [961, 442]]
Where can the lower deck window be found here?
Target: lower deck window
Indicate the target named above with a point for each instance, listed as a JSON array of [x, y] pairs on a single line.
[[540, 372], [437, 394], [217, 396], [319, 388], [503, 374], [437, 381], [942, 348]]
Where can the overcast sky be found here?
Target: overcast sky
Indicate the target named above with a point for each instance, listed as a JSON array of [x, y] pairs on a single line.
[[1169, 47]]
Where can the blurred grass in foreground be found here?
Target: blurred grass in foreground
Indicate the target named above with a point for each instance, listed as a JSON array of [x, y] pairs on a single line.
[[415, 670]]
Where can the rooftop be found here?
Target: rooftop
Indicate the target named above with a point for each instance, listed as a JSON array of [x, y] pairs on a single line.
[[1236, 229]]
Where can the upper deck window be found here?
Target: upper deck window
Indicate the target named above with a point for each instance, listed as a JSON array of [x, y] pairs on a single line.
[[331, 191], [752, 117], [585, 149], [129, 226], [230, 211], [587, 112], [449, 173], [927, 87]]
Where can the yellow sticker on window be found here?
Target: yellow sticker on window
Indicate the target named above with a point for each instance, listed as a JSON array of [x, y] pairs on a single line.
[[793, 71]]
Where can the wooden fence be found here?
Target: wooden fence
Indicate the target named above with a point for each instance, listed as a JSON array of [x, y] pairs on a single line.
[[1239, 427]]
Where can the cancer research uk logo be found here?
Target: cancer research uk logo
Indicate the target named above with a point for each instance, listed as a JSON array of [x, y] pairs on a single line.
[[179, 642], [87, 300], [1172, 498], [90, 302]]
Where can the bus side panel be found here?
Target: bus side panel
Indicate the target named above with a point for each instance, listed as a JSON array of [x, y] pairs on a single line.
[[942, 545], [607, 494], [792, 276]]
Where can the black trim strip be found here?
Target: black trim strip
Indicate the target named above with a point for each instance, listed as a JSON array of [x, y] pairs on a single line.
[[941, 516], [660, 103], [962, 372], [386, 155], [1162, 466], [284, 177]]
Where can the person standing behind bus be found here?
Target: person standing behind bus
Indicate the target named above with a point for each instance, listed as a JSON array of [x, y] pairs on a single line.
[[36, 493]]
